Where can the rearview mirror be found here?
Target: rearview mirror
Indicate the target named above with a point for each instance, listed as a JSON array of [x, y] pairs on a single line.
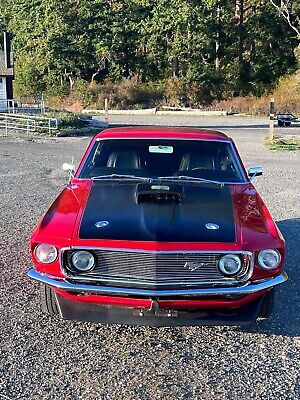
[[255, 171]]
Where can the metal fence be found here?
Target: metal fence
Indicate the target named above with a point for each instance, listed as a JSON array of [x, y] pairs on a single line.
[[7, 105], [29, 124], [22, 105]]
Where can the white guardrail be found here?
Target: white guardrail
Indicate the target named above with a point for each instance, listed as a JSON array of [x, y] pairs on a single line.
[[27, 123]]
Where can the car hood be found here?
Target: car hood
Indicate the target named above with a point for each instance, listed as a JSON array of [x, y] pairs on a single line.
[[129, 217], [58, 223], [164, 213]]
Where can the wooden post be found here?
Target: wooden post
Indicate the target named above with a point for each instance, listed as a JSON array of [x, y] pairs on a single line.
[[42, 104], [271, 126], [106, 112]]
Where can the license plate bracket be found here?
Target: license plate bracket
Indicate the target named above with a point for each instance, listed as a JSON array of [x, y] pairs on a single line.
[[160, 313]]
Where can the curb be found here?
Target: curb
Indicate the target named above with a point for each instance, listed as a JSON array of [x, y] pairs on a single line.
[[194, 112], [148, 111], [153, 111]]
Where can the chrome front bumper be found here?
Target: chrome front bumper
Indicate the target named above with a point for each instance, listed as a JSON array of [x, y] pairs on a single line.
[[248, 288]]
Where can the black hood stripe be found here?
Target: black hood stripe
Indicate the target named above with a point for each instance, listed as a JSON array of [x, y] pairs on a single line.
[[155, 220]]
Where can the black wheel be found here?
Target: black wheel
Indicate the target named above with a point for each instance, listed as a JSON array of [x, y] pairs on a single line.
[[287, 123], [48, 300], [267, 304], [280, 123]]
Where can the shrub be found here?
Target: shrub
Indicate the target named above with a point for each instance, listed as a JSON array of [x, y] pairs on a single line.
[[286, 95], [133, 94], [176, 92], [83, 92], [28, 79], [67, 120], [129, 94]]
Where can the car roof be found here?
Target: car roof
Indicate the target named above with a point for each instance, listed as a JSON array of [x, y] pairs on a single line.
[[161, 132]]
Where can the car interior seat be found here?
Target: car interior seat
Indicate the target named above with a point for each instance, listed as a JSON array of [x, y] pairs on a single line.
[[124, 160], [196, 161]]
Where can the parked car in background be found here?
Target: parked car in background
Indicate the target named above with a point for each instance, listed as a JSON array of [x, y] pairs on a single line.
[[162, 227], [286, 119]]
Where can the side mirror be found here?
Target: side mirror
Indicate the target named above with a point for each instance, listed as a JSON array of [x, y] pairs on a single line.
[[69, 168], [255, 171]]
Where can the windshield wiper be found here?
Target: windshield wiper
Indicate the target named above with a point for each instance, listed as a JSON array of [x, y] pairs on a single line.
[[121, 176], [190, 178]]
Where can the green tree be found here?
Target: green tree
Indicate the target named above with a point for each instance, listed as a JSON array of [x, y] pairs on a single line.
[[201, 51]]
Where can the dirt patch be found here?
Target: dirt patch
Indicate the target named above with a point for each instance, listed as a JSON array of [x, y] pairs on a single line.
[[75, 107]]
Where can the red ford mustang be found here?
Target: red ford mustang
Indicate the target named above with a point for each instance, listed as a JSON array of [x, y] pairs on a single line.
[[159, 226]]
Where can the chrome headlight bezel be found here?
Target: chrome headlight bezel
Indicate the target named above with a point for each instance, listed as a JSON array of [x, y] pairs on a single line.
[[260, 258], [227, 257], [49, 250], [91, 262]]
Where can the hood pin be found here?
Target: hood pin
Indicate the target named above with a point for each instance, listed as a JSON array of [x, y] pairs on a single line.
[[101, 224], [212, 226]]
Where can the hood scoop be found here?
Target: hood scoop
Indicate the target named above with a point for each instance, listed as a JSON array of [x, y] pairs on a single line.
[[156, 193]]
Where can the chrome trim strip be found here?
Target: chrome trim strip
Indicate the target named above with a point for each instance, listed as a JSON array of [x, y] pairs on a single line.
[[121, 282], [248, 288], [238, 163], [126, 250]]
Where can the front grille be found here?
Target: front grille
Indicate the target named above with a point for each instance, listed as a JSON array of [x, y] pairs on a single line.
[[150, 269]]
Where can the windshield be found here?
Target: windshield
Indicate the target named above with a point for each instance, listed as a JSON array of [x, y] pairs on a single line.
[[159, 158]]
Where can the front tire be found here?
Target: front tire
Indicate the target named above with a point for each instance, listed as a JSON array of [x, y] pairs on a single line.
[[48, 301], [287, 123], [267, 306], [280, 123]]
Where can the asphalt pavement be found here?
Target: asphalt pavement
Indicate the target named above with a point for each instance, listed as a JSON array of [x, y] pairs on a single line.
[[45, 358], [232, 122]]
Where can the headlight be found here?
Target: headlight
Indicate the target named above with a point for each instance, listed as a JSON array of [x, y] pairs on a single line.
[[83, 260], [45, 253], [230, 264], [269, 258]]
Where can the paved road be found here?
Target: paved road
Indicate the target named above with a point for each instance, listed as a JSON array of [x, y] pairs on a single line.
[[231, 122], [44, 358]]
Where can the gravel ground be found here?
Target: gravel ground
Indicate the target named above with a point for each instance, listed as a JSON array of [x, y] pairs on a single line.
[[45, 358]]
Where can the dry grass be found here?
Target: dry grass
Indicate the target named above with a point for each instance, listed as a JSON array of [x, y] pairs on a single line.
[[133, 94], [283, 143], [286, 95], [247, 105]]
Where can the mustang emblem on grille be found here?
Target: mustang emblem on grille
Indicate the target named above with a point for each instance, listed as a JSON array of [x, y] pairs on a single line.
[[193, 266]]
